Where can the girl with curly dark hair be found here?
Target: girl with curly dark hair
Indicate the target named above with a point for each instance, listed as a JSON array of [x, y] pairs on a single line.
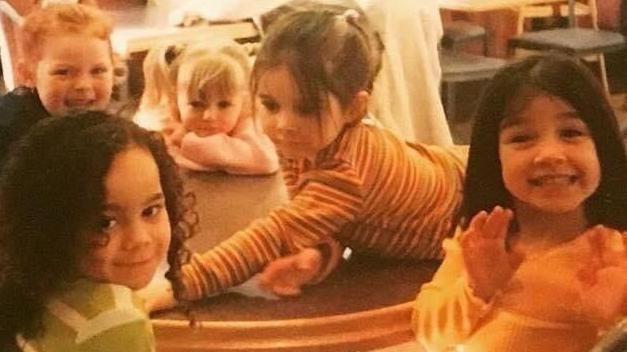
[[90, 205]]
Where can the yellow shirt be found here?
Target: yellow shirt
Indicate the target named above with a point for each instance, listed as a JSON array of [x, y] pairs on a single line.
[[538, 311]]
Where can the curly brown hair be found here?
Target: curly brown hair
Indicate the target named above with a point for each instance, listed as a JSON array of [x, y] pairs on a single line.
[[52, 182]]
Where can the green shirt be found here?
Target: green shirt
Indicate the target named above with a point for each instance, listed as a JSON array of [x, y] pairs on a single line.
[[94, 317]]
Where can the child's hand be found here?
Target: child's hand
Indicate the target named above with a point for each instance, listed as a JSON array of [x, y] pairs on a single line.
[[173, 133], [489, 265], [285, 276], [604, 278], [158, 295]]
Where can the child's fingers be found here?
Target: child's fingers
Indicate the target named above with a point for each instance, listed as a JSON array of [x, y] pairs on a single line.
[[607, 245], [309, 260], [595, 238], [274, 271], [286, 290], [478, 220], [497, 222]]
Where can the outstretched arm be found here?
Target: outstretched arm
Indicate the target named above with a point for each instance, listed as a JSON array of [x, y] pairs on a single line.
[[312, 218]]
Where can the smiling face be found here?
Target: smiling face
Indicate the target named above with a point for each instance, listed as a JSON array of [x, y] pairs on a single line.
[[296, 131], [548, 157], [131, 236], [74, 73]]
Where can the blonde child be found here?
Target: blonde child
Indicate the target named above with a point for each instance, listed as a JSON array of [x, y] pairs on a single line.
[[199, 98], [540, 264], [350, 183], [80, 229], [66, 68]]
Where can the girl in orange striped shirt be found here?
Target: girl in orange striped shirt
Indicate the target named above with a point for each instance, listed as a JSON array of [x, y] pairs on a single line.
[[350, 183]]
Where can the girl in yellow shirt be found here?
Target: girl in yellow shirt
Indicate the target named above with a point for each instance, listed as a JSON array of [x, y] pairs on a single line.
[[540, 264]]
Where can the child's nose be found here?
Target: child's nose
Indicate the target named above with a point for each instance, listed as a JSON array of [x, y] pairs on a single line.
[[210, 113], [82, 81], [285, 122], [550, 151], [137, 234]]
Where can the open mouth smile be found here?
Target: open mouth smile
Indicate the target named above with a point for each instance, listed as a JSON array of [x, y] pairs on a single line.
[[553, 180]]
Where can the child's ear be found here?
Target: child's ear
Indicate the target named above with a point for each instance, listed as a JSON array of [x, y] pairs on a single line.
[[26, 74], [358, 108]]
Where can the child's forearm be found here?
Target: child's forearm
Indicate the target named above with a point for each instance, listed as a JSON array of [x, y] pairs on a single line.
[[445, 316], [446, 310], [231, 154], [233, 261], [288, 229]]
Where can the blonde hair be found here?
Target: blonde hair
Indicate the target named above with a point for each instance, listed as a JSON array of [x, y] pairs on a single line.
[[160, 76], [62, 19], [223, 65]]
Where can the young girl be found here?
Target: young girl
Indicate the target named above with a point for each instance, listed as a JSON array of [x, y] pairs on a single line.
[[80, 229], [201, 98], [540, 264], [350, 183]]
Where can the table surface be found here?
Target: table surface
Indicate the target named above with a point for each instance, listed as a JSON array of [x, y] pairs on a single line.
[[329, 316], [228, 203], [139, 28]]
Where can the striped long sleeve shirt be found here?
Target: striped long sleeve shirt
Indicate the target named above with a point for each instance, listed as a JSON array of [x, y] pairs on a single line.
[[368, 190]]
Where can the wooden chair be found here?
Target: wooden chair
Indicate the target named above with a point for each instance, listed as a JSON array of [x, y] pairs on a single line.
[[458, 66], [457, 33], [10, 21], [573, 40], [553, 9]]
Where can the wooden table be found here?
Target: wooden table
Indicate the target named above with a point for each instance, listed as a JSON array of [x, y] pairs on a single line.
[[139, 28], [366, 303], [487, 5]]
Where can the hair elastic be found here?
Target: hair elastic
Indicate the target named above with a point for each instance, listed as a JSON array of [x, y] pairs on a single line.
[[351, 16]]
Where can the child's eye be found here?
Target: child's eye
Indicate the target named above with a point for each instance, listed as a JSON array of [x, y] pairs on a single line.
[[106, 224], [197, 104], [99, 70], [517, 138], [152, 210], [61, 72], [98, 240], [271, 106], [223, 104], [572, 133], [521, 138]]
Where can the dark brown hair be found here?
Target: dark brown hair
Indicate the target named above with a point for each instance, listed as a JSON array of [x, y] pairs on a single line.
[[570, 80], [324, 52]]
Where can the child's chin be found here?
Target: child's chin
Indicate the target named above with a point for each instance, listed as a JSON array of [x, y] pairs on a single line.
[[137, 284]]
